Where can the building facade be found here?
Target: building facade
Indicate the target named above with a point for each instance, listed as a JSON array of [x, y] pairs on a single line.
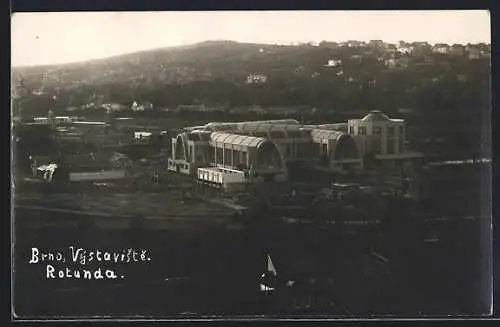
[[381, 137], [259, 151], [257, 158]]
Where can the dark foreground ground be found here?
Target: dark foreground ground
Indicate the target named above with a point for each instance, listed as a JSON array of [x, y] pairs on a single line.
[[218, 273], [407, 268]]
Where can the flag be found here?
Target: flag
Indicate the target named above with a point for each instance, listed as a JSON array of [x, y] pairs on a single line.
[[270, 265], [268, 278]]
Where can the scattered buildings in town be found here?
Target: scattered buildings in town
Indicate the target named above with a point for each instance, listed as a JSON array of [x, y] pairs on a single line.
[[114, 107], [38, 92], [377, 44], [404, 47], [141, 106], [333, 63], [354, 44], [457, 50], [441, 48], [89, 167], [256, 79], [143, 136], [58, 120]]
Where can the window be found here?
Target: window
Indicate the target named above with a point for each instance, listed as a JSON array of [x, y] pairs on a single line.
[[401, 131], [400, 146], [300, 150], [236, 158], [376, 130], [287, 150], [377, 145], [260, 134], [351, 129], [227, 157], [277, 134], [324, 149], [211, 155], [391, 130], [219, 155], [362, 130], [244, 158], [391, 146], [324, 155], [294, 134]]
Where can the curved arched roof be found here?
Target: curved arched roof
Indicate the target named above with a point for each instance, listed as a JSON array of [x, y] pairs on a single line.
[[267, 127], [181, 144], [193, 128], [376, 115], [259, 127], [275, 121], [345, 148], [236, 139], [334, 127], [198, 135], [270, 122], [273, 131], [216, 126], [321, 134]]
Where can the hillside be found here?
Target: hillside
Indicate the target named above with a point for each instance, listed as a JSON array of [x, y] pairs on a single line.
[[215, 73], [152, 64]]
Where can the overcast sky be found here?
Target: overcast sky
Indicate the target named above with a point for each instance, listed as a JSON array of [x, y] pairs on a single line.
[[51, 38]]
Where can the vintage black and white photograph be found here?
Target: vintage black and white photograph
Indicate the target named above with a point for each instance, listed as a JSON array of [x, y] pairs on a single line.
[[251, 165]]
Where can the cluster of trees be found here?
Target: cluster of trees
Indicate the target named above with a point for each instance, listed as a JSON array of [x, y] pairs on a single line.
[[447, 93], [215, 73]]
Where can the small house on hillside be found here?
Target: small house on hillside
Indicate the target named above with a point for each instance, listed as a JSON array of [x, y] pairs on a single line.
[[114, 107], [441, 48], [333, 63], [376, 44], [141, 106], [457, 50], [355, 44], [256, 78]]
